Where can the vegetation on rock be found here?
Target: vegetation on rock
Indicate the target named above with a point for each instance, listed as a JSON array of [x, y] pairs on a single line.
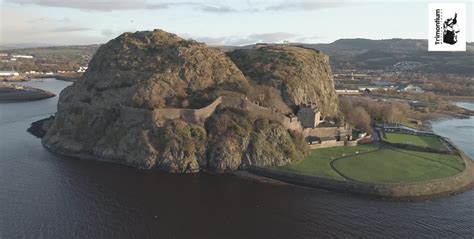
[[300, 75], [109, 114]]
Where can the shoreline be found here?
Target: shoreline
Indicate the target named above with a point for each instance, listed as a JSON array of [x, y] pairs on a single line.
[[61, 77], [413, 191], [432, 118], [410, 191], [23, 94]]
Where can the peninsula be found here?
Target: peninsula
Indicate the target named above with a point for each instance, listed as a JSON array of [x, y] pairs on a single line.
[[153, 100], [13, 93]]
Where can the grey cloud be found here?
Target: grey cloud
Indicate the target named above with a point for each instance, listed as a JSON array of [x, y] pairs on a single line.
[[114, 5], [65, 19], [96, 5], [250, 39], [217, 9], [107, 32], [111, 33], [271, 37], [71, 29], [305, 5]]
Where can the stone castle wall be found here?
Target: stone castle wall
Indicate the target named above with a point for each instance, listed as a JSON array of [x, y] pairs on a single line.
[[326, 131], [198, 116], [188, 115]]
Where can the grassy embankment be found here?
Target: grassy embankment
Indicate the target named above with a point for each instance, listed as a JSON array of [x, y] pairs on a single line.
[[369, 163], [417, 140]]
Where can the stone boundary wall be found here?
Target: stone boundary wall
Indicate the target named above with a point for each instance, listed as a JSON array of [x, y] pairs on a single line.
[[142, 116], [326, 145], [323, 145], [260, 111], [188, 115], [325, 131], [400, 191], [198, 116]]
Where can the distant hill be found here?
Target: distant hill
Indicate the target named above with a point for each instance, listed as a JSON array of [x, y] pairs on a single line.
[[410, 54], [51, 58], [70, 53], [346, 54]]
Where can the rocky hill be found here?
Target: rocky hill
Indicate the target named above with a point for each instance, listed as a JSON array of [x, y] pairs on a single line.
[[301, 75], [135, 105]]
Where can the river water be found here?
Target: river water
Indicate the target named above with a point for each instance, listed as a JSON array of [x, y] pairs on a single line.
[[46, 196], [460, 131]]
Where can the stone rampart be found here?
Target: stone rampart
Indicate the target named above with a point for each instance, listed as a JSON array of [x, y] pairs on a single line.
[[198, 116], [326, 131], [189, 115]]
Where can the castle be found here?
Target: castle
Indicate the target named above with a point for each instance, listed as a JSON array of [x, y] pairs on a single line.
[[307, 121]]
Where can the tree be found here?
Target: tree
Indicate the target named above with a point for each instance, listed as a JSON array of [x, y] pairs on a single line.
[[360, 119]]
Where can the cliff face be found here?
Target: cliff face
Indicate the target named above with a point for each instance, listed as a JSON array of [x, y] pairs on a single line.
[[300, 75], [115, 112], [107, 114], [155, 70]]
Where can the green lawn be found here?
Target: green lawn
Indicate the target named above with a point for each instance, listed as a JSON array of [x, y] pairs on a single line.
[[386, 165], [391, 166], [423, 141], [318, 161]]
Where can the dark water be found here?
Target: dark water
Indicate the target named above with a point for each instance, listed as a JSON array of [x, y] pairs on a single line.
[[45, 196]]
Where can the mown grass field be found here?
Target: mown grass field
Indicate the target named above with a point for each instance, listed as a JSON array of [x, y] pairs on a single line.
[[389, 165], [368, 163], [318, 161], [422, 141]]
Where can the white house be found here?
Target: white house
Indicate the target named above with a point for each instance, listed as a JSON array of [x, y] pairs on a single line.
[[82, 69], [413, 89], [9, 73], [23, 56]]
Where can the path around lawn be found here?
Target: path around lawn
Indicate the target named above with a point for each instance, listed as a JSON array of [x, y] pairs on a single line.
[[386, 147], [405, 191]]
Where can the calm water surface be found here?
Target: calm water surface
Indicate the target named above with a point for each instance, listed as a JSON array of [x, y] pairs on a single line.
[[46, 196], [460, 131]]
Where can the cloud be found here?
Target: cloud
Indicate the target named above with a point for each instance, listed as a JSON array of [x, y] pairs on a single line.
[[273, 37], [65, 19], [107, 32], [71, 29], [95, 5], [117, 5], [217, 9], [306, 5]]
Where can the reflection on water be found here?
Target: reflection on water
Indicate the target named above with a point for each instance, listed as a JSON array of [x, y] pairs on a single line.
[[46, 196]]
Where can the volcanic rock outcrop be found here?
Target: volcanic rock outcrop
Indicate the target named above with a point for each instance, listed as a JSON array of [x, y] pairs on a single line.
[[154, 100], [301, 75]]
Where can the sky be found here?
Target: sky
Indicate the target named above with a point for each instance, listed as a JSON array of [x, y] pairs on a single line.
[[224, 22]]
